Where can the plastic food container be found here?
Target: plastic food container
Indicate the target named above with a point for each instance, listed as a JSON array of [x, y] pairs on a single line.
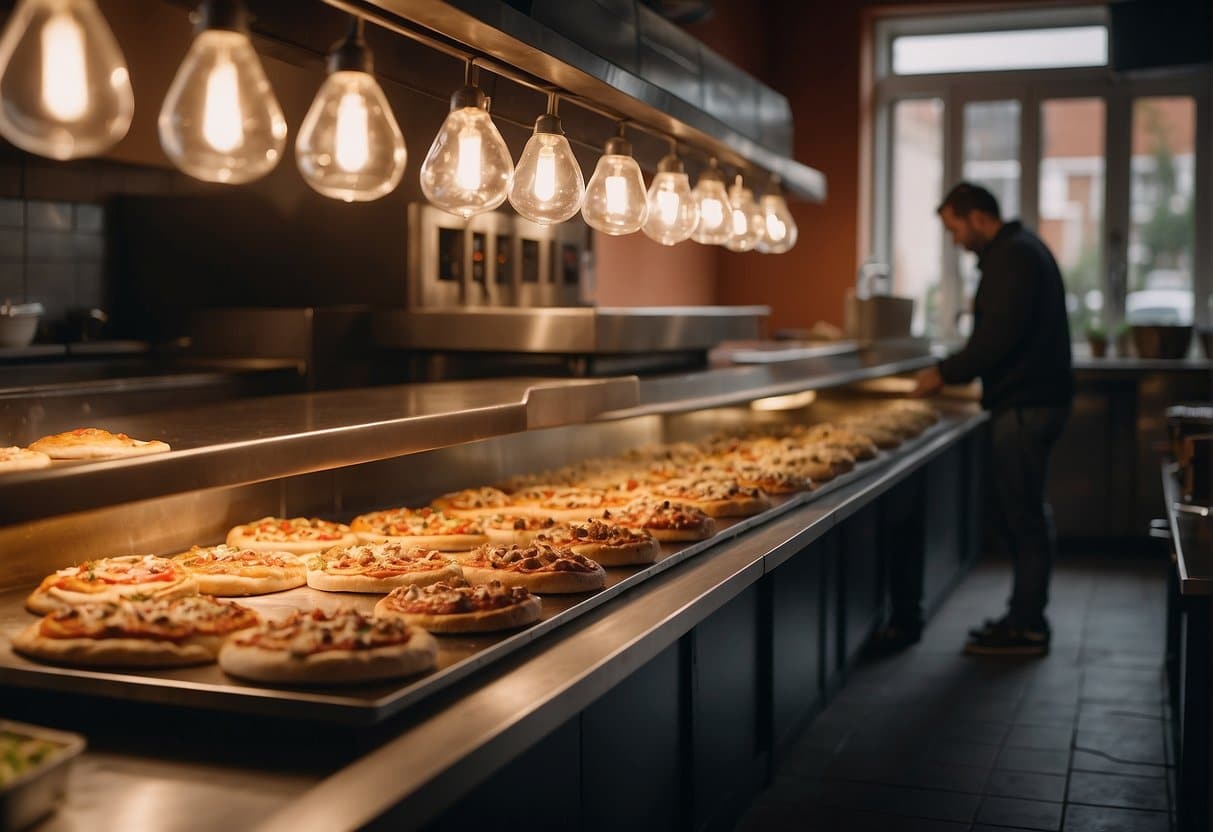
[[35, 792], [18, 323]]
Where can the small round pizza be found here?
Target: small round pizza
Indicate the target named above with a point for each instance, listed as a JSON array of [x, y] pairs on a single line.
[[664, 519], [108, 579], [378, 567], [568, 502], [538, 567], [715, 497], [515, 528], [420, 527], [857, 445], [459, 607], [95, 443], [883, 436], [135, 631], [610, 544], [344, 647], [230, 570], [473, 502], [771, 479], [22, 459], [297, 535]]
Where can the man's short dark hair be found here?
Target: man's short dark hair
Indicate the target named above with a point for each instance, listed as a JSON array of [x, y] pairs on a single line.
[[966, 198]]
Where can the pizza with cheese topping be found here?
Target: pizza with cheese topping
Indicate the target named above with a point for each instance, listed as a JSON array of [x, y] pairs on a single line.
[[229, 570], [473, 502], [338, 648], [297, 535], [459, 607], [537, 567], [420, 527], [856, 444], [515, 528], [610, 544], [572, 503], [108, 579], [22, 459], [378, 567], [772, 479], [136, 631], [95, 443], [715, 497], [664, 519]]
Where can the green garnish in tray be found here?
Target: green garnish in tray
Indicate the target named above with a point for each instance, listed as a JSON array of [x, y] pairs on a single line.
[[19, 754]]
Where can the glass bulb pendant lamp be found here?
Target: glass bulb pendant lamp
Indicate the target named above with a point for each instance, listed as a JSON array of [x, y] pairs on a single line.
[[220, 121], [64, 87], [615, 201], [715, 214], [779, 228], [747, 222], [468, 169], [349, 146], [673, 213], [548, 186]]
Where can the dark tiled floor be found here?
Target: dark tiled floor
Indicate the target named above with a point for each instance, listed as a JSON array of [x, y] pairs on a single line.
[[934, 740]]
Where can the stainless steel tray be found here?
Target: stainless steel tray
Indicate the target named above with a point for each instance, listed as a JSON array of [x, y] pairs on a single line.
[[36, 793], [459, 656]]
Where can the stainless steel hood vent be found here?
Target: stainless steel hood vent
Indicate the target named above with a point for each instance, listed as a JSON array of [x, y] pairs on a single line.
[[624, 56]]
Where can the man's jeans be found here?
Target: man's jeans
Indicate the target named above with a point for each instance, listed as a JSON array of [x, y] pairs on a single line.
[[1022, 440]]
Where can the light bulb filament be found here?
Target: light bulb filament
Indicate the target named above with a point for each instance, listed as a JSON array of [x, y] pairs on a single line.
[[353, 142], [545, 174], [467, 170], [616, 195], [776, 228], [64, 75], [222, 120], [712, 212]]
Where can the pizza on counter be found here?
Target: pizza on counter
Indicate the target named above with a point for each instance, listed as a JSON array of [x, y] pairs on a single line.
[[95, 443], [22, 459], [459, 607], [339, 648], [419, 527], [538, 567], [515, 528], [716, 497], [609, 544], [297, 535], [135, 631], [664, 519], [228, 570], [378, 567], [109, 579], [570, 503], [473, 502]]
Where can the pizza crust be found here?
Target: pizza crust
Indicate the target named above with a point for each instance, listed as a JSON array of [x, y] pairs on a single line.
[[22, 459], [94, 443], [117, 652], [242, 539], [242, 585], [620, 554], [43, 601], [541, 583], [732, 507], [319, 579], [441, 542], [484, 621], [331, 667]]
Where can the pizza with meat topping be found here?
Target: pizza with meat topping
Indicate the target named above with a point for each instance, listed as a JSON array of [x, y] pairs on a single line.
[[229, 570], [108, 579], [856, 444], [570, 503], [135, 631], [715, 497], [420, 527], [95, 443], [515, 528], [537, 567], [297, 535], [473, 502], [339, 648], [459, 607], [664, 519], [378, 567], [771, 479], [610, 544], [22, 459]]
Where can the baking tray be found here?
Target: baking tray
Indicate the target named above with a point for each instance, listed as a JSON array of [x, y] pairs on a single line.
[[458, 657], [35, 794]]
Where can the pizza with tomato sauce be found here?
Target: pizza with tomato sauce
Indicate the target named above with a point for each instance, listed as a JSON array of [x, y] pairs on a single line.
[[538, 567], [459, 607], [420, 527], [95, 443], [230, 570], [297, 535], [378, 567], [664, 519], [108, 579], [473, 502], [136, 631], [716, 497], [610, 544], [335, 648], [509, 528]]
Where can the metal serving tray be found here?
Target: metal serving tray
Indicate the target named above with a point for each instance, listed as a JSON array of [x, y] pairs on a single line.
[[459, 656], [35, 793]]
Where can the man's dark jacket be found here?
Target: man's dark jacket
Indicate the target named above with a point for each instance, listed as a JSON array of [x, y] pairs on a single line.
[[1020, 346]]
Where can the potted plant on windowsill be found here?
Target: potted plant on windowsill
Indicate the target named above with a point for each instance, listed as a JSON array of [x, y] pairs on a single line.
[[1098, 339], [1124, 341]]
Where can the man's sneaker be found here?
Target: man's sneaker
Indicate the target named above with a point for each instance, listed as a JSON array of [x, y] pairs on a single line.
[[1001, 640], [985, 629]]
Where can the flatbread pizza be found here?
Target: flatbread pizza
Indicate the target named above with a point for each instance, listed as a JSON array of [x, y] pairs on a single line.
[[109, 579], [95, 443], [473, 502], [515, 528], [22, 459], [135, 632], [715, 497], [609, 544], [378, 567], [459, 607], [297, 535], [538, 567], [420, 527], [664, 519], [230, 570]]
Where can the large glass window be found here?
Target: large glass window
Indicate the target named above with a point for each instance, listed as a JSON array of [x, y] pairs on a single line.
[[1162, 211], [1072, 154], [917, 191], [988, 51]]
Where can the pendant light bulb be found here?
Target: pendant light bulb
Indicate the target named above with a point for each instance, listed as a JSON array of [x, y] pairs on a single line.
[[779, 228], [220, 121], [673, 213], [715, 213], [468, 169], [64, 87], [615, 201], [548, 186], [746, 221], [349, 146]]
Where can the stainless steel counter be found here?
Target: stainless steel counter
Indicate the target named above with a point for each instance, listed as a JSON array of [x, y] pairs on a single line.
[[1191, 538]]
